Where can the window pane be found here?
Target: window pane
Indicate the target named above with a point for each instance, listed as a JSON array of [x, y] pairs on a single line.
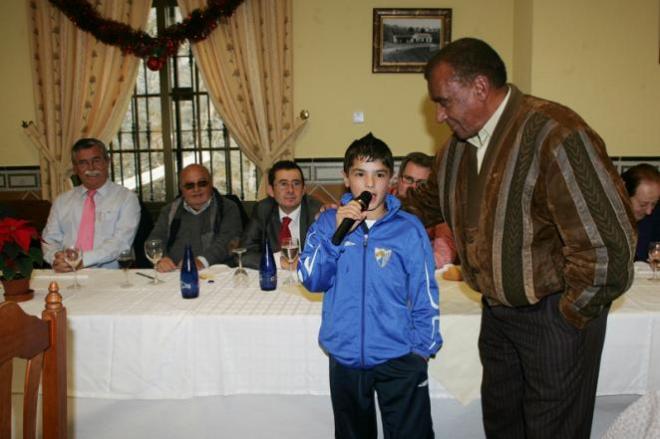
[[198, 133]]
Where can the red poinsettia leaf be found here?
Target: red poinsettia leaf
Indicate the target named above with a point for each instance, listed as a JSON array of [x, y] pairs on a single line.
[[18, 231]]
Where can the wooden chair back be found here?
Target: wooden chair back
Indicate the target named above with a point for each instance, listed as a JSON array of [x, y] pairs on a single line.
[[43, 343]]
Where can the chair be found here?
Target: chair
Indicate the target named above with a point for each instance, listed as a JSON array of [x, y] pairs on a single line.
[[43, 343]]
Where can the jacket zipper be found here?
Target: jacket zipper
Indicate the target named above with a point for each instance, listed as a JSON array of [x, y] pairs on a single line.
[[364, 293]]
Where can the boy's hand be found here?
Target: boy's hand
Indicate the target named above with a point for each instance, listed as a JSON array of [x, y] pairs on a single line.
[[352, 210]]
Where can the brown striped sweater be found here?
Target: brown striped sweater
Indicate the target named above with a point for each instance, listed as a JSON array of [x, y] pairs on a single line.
[[547, 213]]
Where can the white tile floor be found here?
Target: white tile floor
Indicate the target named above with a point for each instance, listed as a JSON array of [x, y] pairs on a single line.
[[261, 416]]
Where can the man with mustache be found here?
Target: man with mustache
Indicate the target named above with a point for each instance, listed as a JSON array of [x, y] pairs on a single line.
[[286, 212], [99, 216]]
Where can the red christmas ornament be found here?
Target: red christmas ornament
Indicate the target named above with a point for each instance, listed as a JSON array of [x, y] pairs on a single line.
[[197, 26], [155, 64]]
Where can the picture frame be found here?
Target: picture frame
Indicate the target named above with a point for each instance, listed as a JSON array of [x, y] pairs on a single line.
[[404, 39]]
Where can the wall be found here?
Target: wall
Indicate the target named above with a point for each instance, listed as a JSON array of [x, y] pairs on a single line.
[[599, 57], [332, 70], [16, 99]]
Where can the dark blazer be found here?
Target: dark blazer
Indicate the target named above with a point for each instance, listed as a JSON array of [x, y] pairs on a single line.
[[265, 216]]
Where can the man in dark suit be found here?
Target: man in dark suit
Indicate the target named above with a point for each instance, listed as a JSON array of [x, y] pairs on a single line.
[[286, 212]]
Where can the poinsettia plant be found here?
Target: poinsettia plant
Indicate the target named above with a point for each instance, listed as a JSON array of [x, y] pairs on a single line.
[[19, 249]]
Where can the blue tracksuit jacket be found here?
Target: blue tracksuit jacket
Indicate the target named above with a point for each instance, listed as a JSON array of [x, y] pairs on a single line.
[[381, 297]]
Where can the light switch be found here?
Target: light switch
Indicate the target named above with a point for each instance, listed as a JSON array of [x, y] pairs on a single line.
[[358, 117]]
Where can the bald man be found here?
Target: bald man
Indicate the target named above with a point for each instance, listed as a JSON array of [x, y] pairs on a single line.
[[200, 217]]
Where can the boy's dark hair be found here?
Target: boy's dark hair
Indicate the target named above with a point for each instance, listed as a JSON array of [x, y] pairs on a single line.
[[88, 143], [418, 158], [638, 173], [369, 148], [283, 164], [470, 57]]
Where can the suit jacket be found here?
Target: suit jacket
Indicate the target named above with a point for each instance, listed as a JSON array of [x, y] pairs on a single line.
[[266, 217]]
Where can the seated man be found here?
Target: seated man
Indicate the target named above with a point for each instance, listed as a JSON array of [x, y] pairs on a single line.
[[99, 216], [200, 217], [414, 171], [287, 203], [643, 186]]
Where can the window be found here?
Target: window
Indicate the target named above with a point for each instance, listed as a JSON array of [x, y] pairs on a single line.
[[171, 123]]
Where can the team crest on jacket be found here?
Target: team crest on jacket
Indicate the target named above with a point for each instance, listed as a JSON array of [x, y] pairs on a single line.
[[383, 256]]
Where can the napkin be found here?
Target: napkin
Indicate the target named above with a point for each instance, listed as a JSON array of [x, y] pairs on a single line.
[[643, 268]]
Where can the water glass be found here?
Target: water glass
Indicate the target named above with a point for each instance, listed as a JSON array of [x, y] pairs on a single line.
[[125, 260], [72, 256], [153, 249]]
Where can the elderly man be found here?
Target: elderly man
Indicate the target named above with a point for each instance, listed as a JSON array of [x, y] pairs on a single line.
[[544, 231], [286, 212], [200, 217], [643, 186], [99, 216]]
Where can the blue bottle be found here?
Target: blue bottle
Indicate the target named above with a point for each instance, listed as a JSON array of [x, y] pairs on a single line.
[[267, 267], [189, 275]]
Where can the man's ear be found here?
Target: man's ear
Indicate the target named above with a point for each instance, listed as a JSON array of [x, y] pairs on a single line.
[[481, 87], [269, 191]]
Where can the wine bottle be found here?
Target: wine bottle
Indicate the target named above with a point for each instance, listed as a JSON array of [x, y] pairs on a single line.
[[189, 275], [267, 267]]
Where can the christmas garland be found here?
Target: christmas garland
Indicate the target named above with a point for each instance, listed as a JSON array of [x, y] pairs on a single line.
[[196, 27]]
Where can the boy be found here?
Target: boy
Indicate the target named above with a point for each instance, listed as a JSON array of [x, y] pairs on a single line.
[[380, 311]]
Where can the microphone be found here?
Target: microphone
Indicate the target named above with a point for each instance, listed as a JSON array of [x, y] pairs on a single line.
[[364, 199]]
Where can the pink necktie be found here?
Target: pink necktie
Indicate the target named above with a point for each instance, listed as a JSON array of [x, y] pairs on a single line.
[[85, 240]]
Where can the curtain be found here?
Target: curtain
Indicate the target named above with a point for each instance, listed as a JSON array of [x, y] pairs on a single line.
[[246, 64], [82, 87]]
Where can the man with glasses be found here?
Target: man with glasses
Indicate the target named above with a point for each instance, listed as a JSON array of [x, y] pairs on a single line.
[[287, 212], [99, 216], [414, 171], [201, 217]]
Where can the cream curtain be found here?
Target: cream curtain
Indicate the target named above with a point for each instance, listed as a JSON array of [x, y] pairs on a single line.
[[82, 87], [247, 67]]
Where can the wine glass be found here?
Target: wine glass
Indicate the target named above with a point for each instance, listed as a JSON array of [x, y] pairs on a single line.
[[654, 257], [240, 274], [153, 249], [125, 260], [290, 247], [73, 256]]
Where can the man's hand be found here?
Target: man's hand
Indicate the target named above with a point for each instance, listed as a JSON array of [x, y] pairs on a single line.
[[284, 263], [60, 265], [164, 265], [324, 208]]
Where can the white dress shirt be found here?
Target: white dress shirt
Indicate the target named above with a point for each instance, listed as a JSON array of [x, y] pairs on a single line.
[[482, 138], [116, 222]]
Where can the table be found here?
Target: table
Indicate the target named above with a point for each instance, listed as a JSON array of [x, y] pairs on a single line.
[[147, 343]]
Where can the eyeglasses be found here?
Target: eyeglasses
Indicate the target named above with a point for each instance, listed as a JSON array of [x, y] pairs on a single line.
[[191, 185], [411, 181], [284, 184]]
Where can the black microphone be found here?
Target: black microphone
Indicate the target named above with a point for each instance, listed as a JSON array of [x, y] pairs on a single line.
[[364, 199]]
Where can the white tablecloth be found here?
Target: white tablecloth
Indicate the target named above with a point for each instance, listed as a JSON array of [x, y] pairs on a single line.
[[146, 342]]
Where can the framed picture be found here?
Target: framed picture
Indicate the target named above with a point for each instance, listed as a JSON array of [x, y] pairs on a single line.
[[405, 39]]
